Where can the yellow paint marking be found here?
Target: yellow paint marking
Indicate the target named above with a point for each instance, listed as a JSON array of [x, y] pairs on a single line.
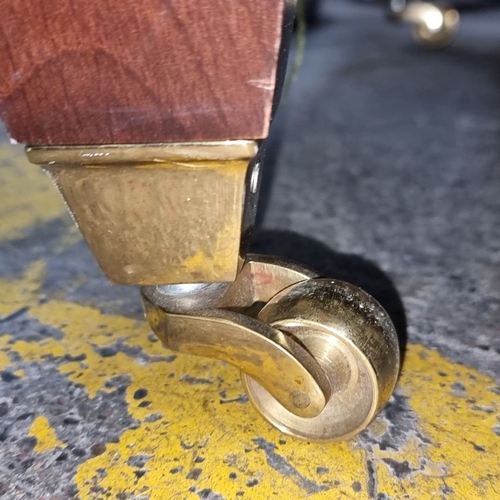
[[16, 294], [20, 374], [45, 435], [465, 452], [218, 262], [446, 421], [23, 207], [195, 262], [4, 360], [184, 427]]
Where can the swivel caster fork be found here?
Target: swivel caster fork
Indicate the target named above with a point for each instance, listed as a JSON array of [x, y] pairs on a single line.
[[318, 357]]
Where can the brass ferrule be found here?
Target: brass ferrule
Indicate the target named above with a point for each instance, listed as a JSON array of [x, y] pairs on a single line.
[[158, 213]]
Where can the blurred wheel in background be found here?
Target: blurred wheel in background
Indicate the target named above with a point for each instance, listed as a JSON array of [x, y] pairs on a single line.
[[434, 26]]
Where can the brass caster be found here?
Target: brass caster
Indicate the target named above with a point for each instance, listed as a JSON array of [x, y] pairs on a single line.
[[434, 26], [319, 357]]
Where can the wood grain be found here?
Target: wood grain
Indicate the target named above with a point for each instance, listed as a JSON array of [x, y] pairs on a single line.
[[129, 71]]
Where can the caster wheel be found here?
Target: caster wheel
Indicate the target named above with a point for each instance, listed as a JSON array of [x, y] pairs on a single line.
[[354, 342]]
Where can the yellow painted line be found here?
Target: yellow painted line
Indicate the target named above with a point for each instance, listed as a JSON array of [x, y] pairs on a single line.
[[185, 432], [45, 435], [16, 294], [26, 193], [4, 359], [190, 443], [463, 451]]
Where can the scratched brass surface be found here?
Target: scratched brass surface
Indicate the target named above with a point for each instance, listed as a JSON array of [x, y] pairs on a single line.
[[139, 153], [160, 213]]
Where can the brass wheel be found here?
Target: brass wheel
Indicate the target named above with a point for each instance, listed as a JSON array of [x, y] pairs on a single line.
[[353, 340]]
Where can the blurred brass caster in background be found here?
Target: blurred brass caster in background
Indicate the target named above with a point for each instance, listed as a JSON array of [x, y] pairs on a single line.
[[434, 26], [319, 358]]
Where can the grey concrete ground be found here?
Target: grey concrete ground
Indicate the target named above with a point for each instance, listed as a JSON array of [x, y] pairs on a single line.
[[391, 154]]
